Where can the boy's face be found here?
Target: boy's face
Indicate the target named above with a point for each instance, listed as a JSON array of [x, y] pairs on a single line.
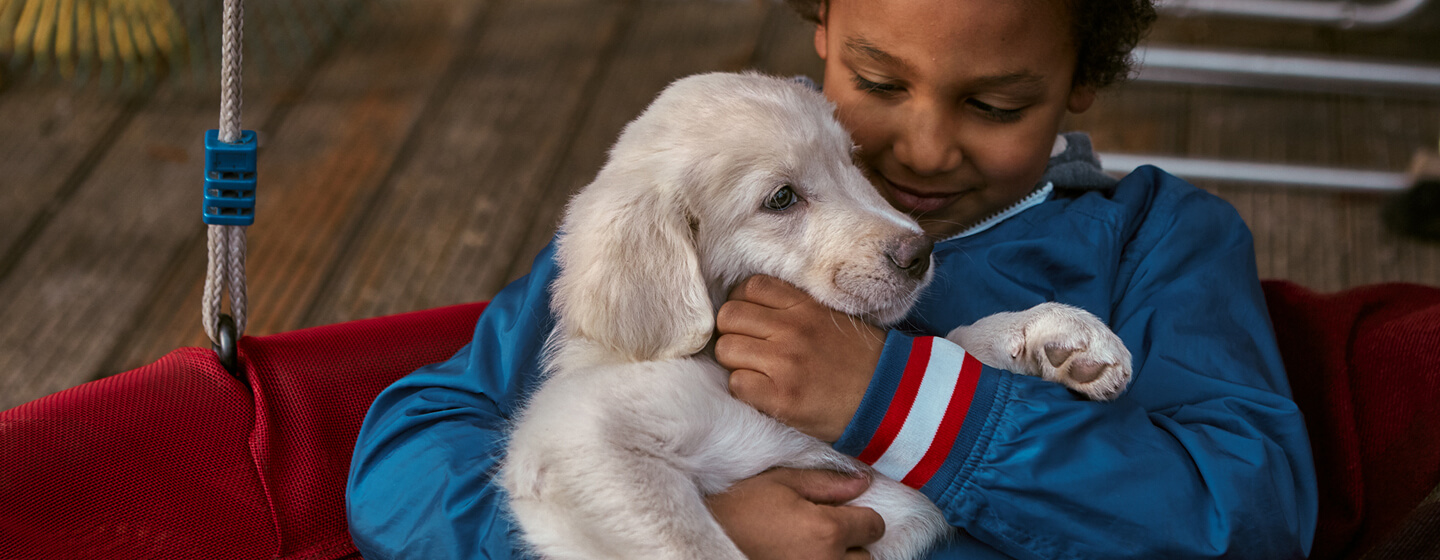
[[955, 104]]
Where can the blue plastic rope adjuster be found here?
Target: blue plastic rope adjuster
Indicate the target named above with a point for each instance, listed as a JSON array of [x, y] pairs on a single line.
[[229, 180]]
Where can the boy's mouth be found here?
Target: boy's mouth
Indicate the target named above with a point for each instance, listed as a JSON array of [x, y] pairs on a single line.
[[918, 202]]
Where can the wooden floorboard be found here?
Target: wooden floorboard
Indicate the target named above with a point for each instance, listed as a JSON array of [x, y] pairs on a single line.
[[50, 140], [1148, 113], [478, 167], [1325, 240], [80, 284], [1383, 133], [787, 46], [668, 40], [426, 157], [1240, 35], [320, 168], [1290, 226]]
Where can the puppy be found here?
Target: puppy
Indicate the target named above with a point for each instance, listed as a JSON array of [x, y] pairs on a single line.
[[726, 176]]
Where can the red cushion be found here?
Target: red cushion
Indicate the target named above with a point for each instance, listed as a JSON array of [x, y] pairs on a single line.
[[176, 459], [1365, 368]]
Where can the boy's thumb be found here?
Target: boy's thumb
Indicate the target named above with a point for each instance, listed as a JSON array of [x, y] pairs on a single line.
[[825, 486]]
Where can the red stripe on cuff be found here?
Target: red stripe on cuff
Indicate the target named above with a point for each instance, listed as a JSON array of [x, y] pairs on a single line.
[[902, 401], [949, 425]]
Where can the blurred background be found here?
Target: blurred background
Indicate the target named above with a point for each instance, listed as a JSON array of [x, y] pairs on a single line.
[[416, 153]]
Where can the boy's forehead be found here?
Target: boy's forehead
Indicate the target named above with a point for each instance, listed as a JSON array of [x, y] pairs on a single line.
[[996, 39], [1003, 24]]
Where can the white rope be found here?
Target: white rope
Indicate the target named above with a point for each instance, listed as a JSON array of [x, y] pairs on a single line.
[[214, 278], [226, 270], [235, 259], [230, 58]]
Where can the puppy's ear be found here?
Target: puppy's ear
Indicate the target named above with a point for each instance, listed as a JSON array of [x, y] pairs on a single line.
[[630, 276]]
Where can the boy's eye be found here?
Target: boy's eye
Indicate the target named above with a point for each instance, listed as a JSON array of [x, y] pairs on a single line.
[[875, 88], [995, 113]]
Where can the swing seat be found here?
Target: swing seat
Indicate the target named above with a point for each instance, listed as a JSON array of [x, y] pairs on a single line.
[[180, 460]]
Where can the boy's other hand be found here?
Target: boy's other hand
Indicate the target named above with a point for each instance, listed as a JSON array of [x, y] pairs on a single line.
[[797, 514], [795, 359]]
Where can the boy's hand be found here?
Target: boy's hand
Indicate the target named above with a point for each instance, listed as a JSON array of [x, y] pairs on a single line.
[[796, 514], [795, 359]]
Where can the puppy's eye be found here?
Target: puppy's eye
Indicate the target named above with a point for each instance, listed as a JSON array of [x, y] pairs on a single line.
[[782, 199]]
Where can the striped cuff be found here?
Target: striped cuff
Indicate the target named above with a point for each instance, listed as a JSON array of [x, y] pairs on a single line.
[[922, 413]]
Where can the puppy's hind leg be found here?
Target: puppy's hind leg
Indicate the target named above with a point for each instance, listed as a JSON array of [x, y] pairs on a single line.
[[601, 466], [644, 509]]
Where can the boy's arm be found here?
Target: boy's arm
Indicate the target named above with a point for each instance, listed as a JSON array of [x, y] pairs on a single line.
[[421, 479], [1205, 456]]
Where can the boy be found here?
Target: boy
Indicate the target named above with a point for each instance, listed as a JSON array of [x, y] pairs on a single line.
[[955, 105]]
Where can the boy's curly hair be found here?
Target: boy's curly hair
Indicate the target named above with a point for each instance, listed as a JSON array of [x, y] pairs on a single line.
[[1105, 31]]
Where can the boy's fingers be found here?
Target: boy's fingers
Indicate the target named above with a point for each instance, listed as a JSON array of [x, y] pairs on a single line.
[[859, 526], [768, 291], [753, 388], [739, 351], [824, 487], [743, 317], [856, 554]]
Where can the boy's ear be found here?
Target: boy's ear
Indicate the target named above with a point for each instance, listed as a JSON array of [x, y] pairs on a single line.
[[820, 39], [820, 30], [1081, 98]]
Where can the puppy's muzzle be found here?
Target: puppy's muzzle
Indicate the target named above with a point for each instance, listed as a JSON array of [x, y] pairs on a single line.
[[910, 255]]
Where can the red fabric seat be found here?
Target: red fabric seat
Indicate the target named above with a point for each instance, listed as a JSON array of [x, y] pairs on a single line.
[[178, 460], [1364, 365]]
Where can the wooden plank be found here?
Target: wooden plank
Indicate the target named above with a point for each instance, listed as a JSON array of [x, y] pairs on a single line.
[[84, 278], [1137, 118], [1239, 34], [787, 46], [1248, 125], [51, 139], [1410, 42], [451, 213], [669, 40], [1323, 240], [318, 171], [1297, 233], [1382, 134], [472, 175]]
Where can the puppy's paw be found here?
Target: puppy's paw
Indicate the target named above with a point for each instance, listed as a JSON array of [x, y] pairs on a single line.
[[1070, 346]]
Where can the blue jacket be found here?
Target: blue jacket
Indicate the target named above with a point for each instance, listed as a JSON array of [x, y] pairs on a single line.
[[1206, 455]]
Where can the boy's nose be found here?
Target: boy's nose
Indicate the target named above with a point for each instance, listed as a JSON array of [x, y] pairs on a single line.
[[929, 146]]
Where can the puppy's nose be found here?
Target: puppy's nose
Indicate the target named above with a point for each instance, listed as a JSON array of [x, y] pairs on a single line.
[[911, 255]]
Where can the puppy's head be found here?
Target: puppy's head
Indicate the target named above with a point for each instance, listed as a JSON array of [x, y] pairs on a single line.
[[726, 176]]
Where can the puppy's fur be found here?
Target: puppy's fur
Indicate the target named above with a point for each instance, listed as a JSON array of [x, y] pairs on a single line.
[[633, 426]]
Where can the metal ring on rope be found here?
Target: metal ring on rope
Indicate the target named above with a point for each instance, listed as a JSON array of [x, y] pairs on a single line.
[[226, 348]]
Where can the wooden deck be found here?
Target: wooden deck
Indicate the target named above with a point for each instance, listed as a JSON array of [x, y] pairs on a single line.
[[423, 159]]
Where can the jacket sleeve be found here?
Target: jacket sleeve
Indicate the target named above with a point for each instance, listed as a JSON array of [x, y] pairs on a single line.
[[1205, 456], [421, 478]]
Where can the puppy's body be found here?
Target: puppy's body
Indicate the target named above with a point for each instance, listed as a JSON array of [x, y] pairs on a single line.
[[723, 177], [626, 478]]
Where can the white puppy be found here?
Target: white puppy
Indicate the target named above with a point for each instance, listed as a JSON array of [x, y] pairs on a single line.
[[726, 176]]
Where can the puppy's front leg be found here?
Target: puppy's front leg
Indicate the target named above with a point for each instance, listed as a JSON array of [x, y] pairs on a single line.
[[1055, 342], [913, 525]]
